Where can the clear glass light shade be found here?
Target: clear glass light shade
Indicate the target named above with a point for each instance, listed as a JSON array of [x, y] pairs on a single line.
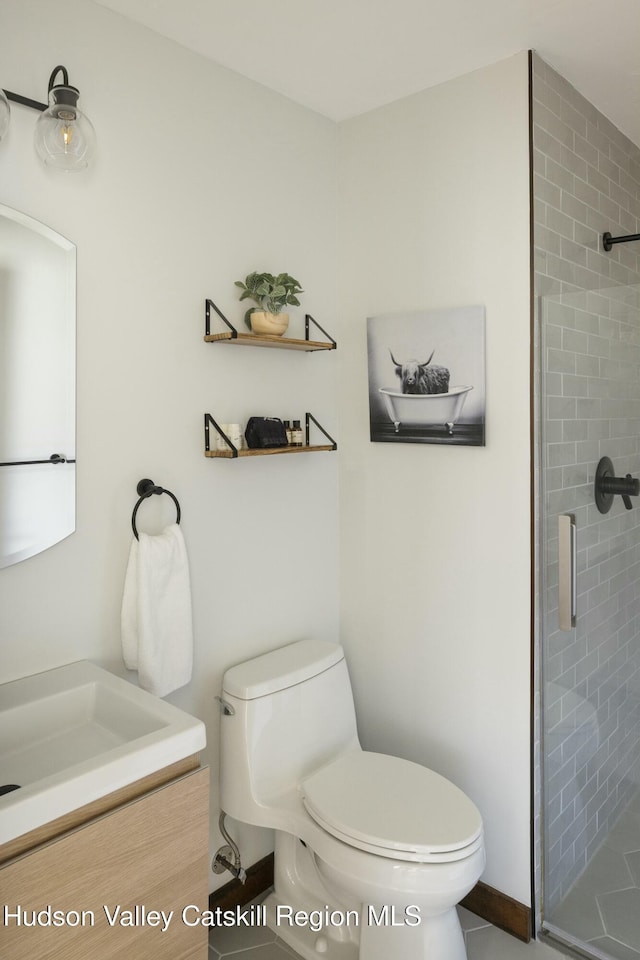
[[5, 114], [64, 137]]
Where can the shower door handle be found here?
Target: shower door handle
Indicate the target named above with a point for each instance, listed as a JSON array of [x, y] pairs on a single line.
[[567, 571]]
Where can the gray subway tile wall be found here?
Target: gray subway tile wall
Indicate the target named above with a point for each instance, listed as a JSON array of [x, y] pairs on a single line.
[[587, 356]]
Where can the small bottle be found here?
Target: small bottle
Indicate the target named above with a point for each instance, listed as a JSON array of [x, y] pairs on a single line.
[[296, 434], [288, 431]]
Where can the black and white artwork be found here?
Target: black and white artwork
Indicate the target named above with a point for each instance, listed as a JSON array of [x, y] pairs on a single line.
[[427, 376]]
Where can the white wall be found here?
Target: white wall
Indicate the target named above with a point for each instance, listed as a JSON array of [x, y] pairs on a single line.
[[435, 545], [201, 176]]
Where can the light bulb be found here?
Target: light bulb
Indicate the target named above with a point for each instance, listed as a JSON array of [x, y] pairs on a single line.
[[64, 137], [5, 114]]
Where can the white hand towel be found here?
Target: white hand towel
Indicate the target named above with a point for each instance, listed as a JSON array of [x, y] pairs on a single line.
[[157, 633]]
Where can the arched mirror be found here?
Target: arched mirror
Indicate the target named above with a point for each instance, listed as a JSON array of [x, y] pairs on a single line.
[[37, 387]]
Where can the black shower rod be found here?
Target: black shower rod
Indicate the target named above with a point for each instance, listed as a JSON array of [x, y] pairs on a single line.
[[608, 241]]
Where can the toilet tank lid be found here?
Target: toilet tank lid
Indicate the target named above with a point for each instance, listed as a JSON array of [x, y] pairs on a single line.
[[281, 668]]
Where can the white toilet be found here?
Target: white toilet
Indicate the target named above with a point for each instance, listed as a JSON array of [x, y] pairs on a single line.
[[372, 852]]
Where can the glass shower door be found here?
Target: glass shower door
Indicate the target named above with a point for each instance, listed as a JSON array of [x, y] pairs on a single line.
[[590, 666]]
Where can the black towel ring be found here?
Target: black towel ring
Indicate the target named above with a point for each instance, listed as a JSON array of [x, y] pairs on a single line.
[[145, 489]]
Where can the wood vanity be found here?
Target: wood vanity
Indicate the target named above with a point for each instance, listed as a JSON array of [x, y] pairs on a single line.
[[143, 849]]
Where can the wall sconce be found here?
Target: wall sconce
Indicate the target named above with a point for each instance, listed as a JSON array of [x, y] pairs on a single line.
[[64, 136]]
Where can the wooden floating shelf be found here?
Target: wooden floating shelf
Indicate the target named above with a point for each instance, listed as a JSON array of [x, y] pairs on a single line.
[[270, 451], [281, 343], [231, 335]]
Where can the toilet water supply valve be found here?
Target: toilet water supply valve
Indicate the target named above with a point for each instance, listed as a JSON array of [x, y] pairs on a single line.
[[222, 860]]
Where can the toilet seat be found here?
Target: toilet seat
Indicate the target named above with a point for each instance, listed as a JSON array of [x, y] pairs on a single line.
[[393, 808]]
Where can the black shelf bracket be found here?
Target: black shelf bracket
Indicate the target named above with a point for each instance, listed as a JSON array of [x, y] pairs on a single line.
[[308, 417], [208, 305], [209, 421], [309, 319]]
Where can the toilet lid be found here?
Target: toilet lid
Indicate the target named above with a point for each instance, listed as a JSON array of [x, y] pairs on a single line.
[[392, 806]]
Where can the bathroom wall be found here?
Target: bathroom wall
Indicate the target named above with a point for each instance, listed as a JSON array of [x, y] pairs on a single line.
[[200, 177], [586, 181], [435, 542], [195, 167]]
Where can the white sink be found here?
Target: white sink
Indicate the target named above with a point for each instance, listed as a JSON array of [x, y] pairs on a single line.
[[77, 733]]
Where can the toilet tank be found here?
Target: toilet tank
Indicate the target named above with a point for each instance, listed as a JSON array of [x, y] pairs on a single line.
[[292, 713]]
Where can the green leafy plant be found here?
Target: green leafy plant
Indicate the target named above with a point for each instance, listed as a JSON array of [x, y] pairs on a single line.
[[269, 292]]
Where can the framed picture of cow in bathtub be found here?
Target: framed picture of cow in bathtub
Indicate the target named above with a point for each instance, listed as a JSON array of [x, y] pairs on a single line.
[[427, 376]]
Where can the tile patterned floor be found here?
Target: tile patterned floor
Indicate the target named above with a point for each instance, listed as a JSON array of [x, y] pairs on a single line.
[[484, 942], [603, 907]]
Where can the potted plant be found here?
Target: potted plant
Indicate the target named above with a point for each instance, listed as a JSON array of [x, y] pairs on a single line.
[[271, 294]]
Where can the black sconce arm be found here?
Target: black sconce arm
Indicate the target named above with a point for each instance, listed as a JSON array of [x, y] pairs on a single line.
[[36, 104], [25, 101]]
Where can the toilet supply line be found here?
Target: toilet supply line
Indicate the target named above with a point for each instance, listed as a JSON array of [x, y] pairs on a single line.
[[221, 861]]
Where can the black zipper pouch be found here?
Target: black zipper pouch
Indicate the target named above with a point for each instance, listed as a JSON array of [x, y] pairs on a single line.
[[265, 432]]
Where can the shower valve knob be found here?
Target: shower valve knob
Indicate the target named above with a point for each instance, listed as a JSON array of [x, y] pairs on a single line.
[[608, 485], [626, 499]]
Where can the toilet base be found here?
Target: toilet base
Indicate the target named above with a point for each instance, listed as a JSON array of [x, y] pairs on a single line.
[[318, 922], [435, 938], [310, 944]]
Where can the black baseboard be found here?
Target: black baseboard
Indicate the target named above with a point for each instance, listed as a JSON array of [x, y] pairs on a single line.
[[500, 910]]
